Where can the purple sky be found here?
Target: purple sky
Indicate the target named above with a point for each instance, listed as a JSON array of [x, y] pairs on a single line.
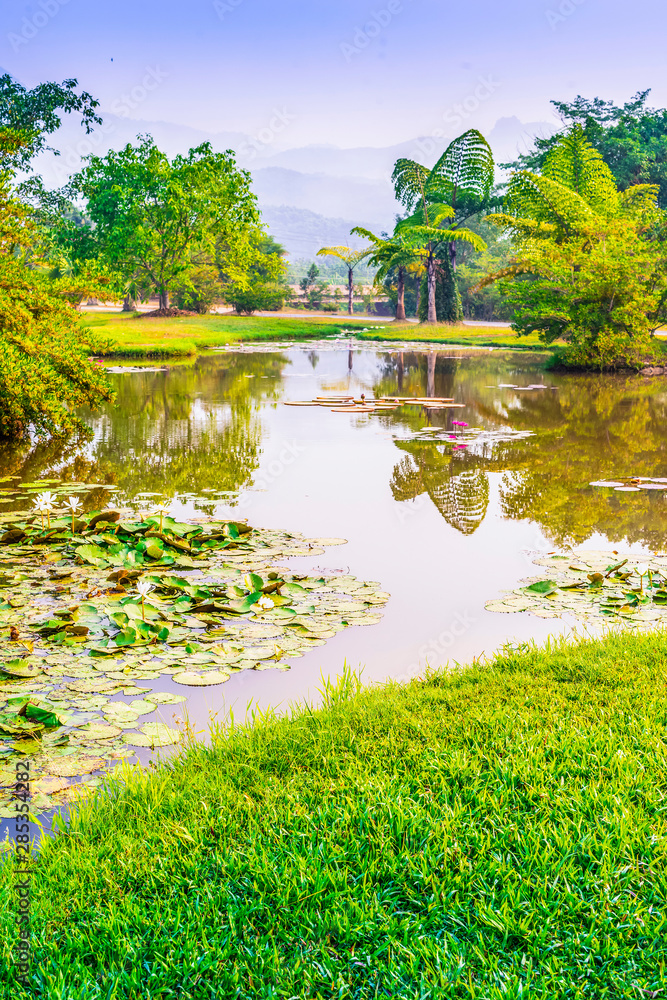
[[348, 72]]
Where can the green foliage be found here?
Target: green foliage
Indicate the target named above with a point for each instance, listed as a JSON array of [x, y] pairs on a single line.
[[591, 262], [162, 224], [494, 831], [36, 113], [631, 139], [264, 287], [44, 369]]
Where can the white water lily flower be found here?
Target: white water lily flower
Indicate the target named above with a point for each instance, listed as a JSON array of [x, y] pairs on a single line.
[[48, 499], [144, 588], [73, 503], [641, 569]]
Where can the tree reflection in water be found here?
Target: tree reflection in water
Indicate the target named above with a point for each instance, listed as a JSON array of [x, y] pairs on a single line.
[[188, 428], [588, 428]]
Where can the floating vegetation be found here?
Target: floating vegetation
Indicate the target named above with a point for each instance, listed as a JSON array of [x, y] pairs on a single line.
[[94, 606], [632, 484], [595, 587], [464, 436]]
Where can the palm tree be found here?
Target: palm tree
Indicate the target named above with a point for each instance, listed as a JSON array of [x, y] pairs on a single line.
[[457, 187], [350, 258], [400, 251]]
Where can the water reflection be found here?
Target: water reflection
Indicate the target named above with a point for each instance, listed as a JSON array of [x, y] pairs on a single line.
[[201, 427]]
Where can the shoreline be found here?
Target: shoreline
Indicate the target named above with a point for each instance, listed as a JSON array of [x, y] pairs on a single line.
[[437, 825]]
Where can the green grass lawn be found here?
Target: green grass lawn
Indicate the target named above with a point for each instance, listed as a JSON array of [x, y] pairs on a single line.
[[185, 336], [444, 333], [499, 831]]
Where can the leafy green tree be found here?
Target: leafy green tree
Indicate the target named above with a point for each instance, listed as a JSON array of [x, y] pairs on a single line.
[[158, 222], [45, 371], [591, 260], [265, 286], [36, 114], [457, 187], [632, 139], [350, 258]]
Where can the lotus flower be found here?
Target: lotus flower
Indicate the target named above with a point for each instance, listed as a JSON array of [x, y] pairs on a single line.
[[44, 504], [143, 589], [73, 504], [161, 509]]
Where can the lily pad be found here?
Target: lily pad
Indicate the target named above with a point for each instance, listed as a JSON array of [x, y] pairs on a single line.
[[191, 679], [69, 767], [153, 734]]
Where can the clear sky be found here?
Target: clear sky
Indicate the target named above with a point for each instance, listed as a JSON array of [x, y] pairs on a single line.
[[347, 72]]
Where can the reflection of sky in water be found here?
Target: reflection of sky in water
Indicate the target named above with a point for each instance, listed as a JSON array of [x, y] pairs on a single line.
[[442, 532]]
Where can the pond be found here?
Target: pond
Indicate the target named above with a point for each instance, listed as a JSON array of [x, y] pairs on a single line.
[[443, 508]]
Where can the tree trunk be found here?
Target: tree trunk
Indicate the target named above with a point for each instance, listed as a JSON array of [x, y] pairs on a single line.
[[129, 304], [432, 315], [164, 300], [419, 296], [350, 292], [452, 256], [400, 287], [400, 371]]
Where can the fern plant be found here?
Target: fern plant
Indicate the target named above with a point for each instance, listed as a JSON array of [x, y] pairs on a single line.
[[590, 266]]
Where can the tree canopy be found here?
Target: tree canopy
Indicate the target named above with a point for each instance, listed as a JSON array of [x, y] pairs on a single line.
[[36, 114], [631, 139], [161, 223], [45, 372], [591, 260]]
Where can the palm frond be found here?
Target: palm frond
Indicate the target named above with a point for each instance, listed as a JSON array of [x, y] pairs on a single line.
[[576, 164], [409, 179], [466, 167], [543, 199], [638, 199], [346, 254]]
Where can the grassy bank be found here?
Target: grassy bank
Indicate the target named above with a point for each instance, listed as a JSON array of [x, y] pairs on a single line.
[[492, 833], [184, 336], [468, 336]]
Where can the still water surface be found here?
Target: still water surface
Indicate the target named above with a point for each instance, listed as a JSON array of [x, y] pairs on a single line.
[[442, 530]]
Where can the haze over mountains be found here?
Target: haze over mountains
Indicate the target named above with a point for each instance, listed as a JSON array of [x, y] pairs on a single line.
[[310, 196]]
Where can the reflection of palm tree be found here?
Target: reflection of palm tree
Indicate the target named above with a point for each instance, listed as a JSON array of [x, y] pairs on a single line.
[[462, 499], [406, 481]]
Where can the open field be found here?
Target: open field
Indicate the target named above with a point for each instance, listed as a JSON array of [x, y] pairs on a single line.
[[185, 336], [497, 831]]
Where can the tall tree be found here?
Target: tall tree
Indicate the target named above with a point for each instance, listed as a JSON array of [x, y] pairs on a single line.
[[350, 258], [457, 187], [157, 222]]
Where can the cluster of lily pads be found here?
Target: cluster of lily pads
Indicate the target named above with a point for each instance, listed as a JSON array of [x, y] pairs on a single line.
[[94, 607], [632, 484], [463, 436], [595, 587]]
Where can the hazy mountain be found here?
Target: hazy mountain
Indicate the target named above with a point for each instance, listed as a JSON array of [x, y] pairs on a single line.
[[302, 232]]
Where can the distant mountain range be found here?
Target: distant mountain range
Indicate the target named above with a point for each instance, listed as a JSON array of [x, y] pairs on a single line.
[[310, 196]]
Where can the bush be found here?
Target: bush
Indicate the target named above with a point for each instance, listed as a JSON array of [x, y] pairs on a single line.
[[268, 297]]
